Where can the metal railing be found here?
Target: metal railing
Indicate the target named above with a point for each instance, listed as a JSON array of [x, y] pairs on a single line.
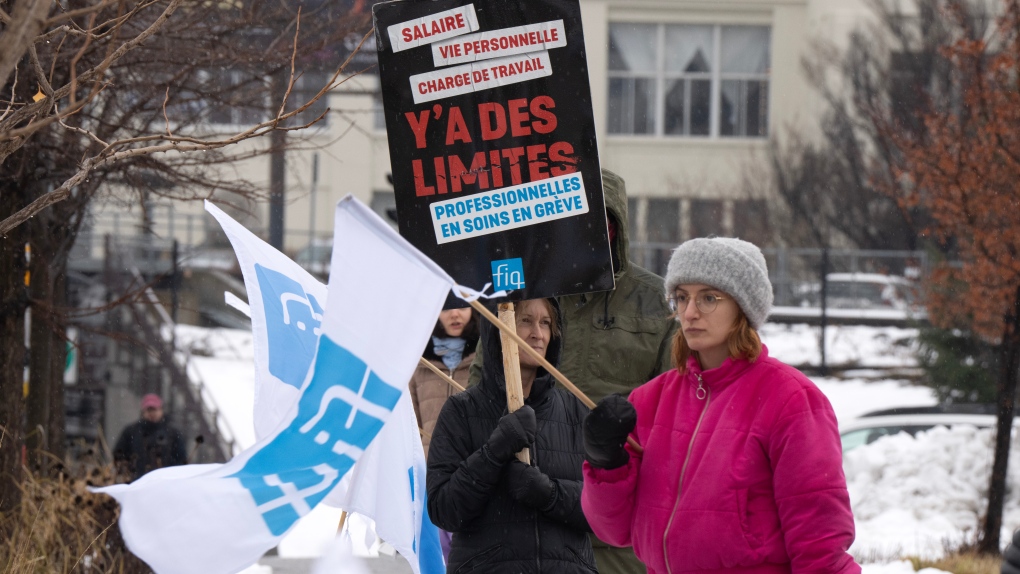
[[160, 332], [792, 270]]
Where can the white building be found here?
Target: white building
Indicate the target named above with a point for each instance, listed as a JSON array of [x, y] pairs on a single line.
[[686, 94]]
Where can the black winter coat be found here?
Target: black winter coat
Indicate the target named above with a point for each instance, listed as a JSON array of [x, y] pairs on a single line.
[[1011, 557], [144, 446], [468, 493]]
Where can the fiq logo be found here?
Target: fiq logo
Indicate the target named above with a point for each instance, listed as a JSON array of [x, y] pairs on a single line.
[[508, 274]]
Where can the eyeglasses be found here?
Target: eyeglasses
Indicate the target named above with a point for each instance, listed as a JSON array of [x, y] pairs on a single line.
[[705, 302]]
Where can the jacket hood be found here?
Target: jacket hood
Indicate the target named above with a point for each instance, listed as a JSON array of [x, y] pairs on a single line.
[[616, 206], [493, 378], [470, 336]]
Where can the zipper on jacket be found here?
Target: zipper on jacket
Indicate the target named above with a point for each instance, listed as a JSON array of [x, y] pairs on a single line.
[[703, 394], [700, 392]]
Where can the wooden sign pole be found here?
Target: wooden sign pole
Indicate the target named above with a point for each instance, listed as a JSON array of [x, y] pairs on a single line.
[[512, 367], [506, 332]]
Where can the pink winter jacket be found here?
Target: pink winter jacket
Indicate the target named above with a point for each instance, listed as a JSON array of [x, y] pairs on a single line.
[[746, 478]]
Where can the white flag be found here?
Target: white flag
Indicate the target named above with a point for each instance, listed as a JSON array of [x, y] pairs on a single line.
[[388, 486], [217, 519], [286, 305], [340, 559]]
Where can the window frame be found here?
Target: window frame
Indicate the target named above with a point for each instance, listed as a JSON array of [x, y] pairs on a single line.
[[661, 78]]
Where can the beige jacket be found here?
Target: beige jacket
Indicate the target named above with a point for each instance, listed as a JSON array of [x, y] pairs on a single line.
[[429, 393]]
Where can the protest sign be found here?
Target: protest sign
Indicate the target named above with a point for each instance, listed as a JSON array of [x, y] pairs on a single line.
[[492, 142]]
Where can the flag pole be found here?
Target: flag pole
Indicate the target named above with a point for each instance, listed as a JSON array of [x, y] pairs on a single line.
[[512, 365], [343, 519], [512, 334], [443, 375]]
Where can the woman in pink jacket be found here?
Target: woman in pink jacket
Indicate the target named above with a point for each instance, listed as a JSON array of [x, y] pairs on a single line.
[[740, 468]]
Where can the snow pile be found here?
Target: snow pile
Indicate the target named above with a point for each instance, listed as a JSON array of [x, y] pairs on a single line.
[[223, 362], [845, 345], [898, 567], [908, 495], [851, 398], [921, 496]]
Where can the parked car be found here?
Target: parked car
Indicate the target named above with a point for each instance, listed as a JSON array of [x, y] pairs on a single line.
[[872, 426], [861, 291], [315, 257]]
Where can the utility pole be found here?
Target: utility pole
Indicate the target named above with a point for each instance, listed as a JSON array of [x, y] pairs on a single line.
[[311, 210], [277, 165]]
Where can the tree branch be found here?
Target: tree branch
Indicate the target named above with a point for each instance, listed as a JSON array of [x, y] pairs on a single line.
[[27, 21]]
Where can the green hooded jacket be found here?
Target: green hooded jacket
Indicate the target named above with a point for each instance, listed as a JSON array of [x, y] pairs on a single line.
[[614, 341]]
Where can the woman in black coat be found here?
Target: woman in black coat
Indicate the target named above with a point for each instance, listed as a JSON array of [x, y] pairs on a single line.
[[506, 516]]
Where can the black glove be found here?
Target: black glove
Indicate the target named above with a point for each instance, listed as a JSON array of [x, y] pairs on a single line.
[[530, 485], [605, 432], [515, 432]]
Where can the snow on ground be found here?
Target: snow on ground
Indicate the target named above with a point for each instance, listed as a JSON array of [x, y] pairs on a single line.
[[909, 495], [846, 345], [916, 496], [852, 398]]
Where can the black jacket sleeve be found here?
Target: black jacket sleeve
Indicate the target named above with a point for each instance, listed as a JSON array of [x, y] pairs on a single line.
[[124, 450], [1011, 557], [179, 453], [567, 508], [460, 479]]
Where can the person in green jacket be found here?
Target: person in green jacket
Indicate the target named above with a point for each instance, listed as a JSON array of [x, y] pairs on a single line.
[[614, 341]]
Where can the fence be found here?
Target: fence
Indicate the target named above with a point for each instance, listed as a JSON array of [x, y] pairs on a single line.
[[200, 244], [794, 270]]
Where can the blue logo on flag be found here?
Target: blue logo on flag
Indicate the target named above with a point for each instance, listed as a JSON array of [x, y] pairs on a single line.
[[430, 555], [339, 413], [293, 319], [507, 274]]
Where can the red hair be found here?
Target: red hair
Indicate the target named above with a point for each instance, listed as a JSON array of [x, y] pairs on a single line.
[[743, 343]]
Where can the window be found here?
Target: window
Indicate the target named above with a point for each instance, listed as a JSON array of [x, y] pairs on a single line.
[[706, 217], [751, 221], [306, 87], [378, 115], [663, 231], [235, 97], [689, 80]]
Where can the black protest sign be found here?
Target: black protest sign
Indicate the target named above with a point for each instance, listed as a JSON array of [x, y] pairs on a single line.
[[492, 142]]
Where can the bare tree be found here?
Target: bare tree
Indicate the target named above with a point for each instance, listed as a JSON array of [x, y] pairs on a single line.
[[919, 147], [134, 100], [892, 72]]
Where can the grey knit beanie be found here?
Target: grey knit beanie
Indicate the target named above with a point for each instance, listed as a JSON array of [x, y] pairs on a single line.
[[731, 265]]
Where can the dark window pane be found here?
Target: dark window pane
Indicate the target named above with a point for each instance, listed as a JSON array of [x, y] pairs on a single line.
[[688, 48], [701, 101], [757, 109], [750, 221], [706, 217], [664, 229], [632, 47], [631, 106], [305, 88], [729, 107], [663, 221], [676, 104], [743, 108]]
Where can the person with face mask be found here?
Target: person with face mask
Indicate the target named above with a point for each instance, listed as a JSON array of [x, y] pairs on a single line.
[[740, 465]]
